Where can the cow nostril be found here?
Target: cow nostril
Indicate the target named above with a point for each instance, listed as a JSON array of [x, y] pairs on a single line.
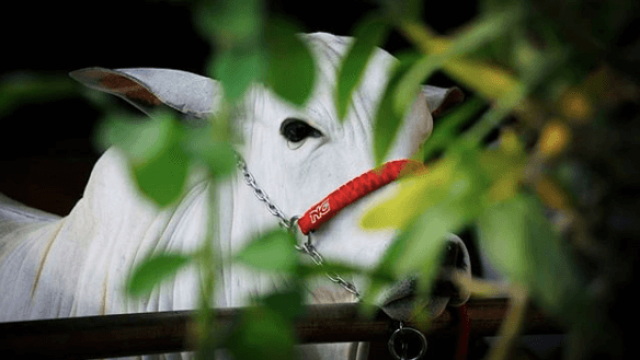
[[444, 287], [402, 291], [451, 256]]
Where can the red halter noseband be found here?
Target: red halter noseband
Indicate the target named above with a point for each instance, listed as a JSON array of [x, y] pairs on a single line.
[[354, 190]]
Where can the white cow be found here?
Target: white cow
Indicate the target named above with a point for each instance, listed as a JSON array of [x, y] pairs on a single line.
[[52, 267]]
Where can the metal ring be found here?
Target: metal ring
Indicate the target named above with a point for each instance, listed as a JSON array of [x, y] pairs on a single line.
[[402, 331]]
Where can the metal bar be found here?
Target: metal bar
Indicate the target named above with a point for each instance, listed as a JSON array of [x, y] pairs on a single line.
[[149, 333]]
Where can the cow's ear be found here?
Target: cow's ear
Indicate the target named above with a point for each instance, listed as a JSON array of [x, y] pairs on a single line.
[[147, 89], [441, 100]]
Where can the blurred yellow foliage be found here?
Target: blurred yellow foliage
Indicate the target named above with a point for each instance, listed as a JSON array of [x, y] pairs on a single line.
[[554, 138], [415, 194], [490, 81], [551, 194], [576, 106]]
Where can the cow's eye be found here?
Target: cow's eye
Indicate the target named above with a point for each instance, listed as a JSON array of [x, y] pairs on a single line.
[[296, 130]]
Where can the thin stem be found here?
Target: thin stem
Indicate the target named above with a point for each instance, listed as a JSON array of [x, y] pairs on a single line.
[[206, 260]]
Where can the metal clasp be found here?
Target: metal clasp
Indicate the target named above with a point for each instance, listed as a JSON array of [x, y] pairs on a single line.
[[403, 337]]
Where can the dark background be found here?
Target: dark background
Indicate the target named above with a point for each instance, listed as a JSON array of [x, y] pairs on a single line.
[[46, 145]]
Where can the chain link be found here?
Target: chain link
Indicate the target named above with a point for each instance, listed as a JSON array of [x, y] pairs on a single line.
[[310, 250], [290, 225], [262, 196]]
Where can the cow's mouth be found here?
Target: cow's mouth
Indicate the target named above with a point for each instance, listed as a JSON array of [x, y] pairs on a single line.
[[404, 299], [401, 299]]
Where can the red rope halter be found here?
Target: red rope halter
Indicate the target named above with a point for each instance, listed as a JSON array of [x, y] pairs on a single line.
[[354, 190]]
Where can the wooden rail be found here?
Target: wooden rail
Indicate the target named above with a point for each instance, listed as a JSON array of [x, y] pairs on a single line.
[[162, 332]]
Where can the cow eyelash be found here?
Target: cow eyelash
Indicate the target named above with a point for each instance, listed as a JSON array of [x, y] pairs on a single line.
[[296, 130]]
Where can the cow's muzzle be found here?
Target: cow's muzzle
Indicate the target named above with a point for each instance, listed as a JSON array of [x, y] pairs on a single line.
[[404, 299]]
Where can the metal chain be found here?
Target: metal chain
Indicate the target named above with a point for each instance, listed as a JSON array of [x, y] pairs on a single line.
[[262, 196], [310, 250], [290, 225]]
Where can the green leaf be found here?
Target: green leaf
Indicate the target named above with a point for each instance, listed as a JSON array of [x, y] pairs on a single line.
[[230, 21], [414, 196], [388, 120], [141, 139], [425, 240], [262, 334], [154, 270], [24, 88], [236, 28], [288, 304], [274, 251], [162, 177], [238, 67], [369, 34], [449, 126], [217, 155], [158, 162], [516, 94], [417, 251], [480, 33], [403, 10], [291, 71], [523, 245]]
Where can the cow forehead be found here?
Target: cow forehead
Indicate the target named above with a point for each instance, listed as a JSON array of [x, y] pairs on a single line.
[[320, 110]]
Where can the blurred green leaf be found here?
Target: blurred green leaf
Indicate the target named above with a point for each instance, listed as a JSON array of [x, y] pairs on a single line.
[[414, 196], [417, 252], [388, 121], [237, 67], [465, 180], [274, 251], [230, 22], [158, 161], [24, 88], [449, 126], [162, 177], [288, 304], [425, 241], [480, 33], [141, 139], [370, 33], [516, 94], [154, 270], [217, 155], [236, 28], [403, 10], [262, 334], [291, 72], [523, 245]]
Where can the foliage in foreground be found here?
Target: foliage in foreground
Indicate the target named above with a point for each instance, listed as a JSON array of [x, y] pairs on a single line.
[[560, 70]]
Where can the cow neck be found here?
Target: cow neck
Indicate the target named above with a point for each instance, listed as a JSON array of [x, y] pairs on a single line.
[[333, 203], [324, 210]]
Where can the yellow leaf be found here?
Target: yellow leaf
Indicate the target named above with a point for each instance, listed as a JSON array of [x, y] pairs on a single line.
[[510, 143], [551, 194], [505, 167], [575, 105], [511, 326], [481, 287], [415, 194], [505, 188], [554, 138], [488, 80]]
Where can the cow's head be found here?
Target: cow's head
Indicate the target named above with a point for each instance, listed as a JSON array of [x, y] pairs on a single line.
[[299, 155]]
